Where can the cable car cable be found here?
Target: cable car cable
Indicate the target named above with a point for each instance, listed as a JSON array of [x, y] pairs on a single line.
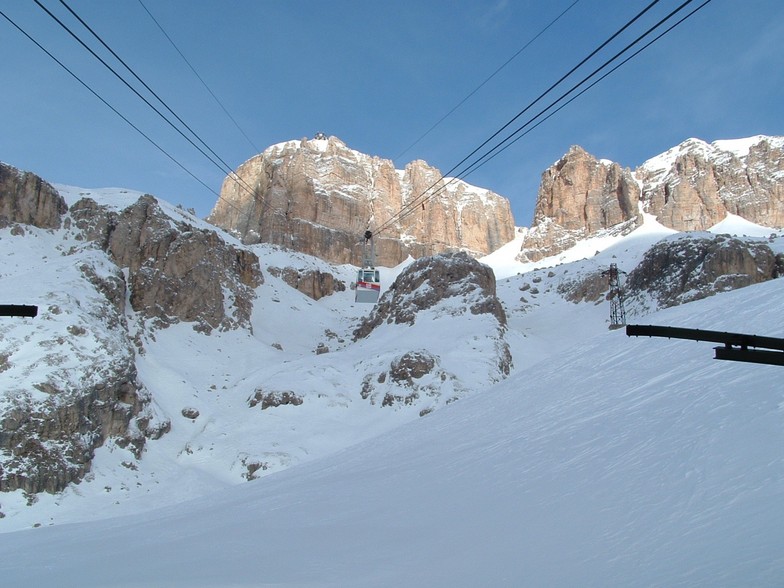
[[510, 138], [424, 197], [133, 73], [415, 203], [94, 93], [490, 77], [224, 168], [193, 69]]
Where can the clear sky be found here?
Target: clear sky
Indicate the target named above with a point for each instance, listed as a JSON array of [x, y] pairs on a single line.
[[377, 75]]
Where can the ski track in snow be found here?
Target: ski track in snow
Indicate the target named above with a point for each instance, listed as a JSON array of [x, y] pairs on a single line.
[[602, 460]]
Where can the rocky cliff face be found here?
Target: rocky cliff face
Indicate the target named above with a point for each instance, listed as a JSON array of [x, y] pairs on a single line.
[[176, 272], [318, 197], [578, 197], [433, 289], [25, 198], [690, 187], [694, 185], [684, 268], [68, 381], [68, 378], [428, 282]]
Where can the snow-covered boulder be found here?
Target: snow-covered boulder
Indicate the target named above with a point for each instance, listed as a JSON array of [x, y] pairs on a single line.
[[689, 267]]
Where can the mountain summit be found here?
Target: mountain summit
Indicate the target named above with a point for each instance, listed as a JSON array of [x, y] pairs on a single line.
[[690, 187], [319, 196]]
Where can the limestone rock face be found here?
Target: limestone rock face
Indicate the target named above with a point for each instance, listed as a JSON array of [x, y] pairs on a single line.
[[693, 186], [47, 445], [312, 283], [423, 299], [176, 271], [684, 268], [318, 196], [428, 282], [580, 196], [27, 199], [82, 388]]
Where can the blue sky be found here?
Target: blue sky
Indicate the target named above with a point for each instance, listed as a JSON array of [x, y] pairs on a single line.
[[377, 75]]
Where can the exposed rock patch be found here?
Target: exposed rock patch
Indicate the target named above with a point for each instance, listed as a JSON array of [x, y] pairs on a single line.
[[190, 412], [691, 187], [429, 282], [694, 185], [317, 197], [84, 394], [414, 377], [580, 196], [685, 268], [274, 398], [312, 283], [27, 199], [591, 287], [176, 271]]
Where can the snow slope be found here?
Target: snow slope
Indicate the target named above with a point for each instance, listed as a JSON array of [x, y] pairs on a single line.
[[602, 460], [618, 462]]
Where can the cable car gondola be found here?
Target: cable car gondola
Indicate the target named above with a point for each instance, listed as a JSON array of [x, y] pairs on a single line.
[[368, 286]]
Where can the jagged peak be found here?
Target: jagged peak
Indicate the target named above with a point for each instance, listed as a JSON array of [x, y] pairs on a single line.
[[717, 150]]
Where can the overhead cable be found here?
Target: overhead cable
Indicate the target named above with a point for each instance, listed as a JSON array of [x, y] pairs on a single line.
[[113, 109], [509, 141], [490, 77], [214, 158], [193, 69], [427, 195], [422, 197]]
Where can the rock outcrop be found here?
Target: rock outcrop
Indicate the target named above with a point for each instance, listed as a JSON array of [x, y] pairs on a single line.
[[684, 268], [689, 188], [27, 199], [312, 283], [81, 389], [430, 281], [68, 379], [175, 271], [580, 196], [428, 291], [694, 185], [318, 196]]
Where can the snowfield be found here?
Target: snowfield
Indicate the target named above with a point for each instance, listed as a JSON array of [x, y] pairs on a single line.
[[602, 460]]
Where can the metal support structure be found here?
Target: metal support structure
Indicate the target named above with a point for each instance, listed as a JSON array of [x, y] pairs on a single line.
[[23, 310], [768, 350], [368, 285], [617, 310], [368, 251]]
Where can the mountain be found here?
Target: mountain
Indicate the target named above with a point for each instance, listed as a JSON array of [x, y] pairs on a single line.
[[319, 197], [475, 427], [691, 187]]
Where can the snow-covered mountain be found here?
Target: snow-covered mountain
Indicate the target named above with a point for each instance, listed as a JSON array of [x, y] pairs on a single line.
[[465, 432], [690, 187], [316, 196]]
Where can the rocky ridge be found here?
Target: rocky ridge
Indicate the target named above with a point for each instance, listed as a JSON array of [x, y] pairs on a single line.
[[691, 187], [176, 272], [143, 270], [689, 267], [27, 199], [433, 289], [81, 390], [319, 196]]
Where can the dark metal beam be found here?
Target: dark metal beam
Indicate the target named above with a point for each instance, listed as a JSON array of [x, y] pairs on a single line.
[[736, 345], [18, 310], [729, 339], [750, 355]]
